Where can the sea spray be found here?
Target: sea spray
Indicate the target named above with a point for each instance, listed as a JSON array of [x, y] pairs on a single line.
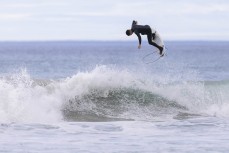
[[22, 100], [106, 94]]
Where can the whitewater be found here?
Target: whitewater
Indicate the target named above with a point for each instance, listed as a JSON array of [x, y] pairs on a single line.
[[104, 97]]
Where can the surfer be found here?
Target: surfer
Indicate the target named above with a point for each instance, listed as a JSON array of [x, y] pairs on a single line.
[[144, 30]]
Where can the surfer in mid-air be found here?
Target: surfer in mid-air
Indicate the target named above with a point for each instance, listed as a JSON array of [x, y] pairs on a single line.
[[144, 30]]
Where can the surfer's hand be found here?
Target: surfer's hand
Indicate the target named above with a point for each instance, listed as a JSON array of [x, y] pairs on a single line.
[[139, 46], [153, 36]]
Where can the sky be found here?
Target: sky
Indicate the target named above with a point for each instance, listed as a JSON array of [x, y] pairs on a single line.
[[31, 20]]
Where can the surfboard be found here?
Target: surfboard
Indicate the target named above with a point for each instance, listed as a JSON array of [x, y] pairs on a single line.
[[158, 40]]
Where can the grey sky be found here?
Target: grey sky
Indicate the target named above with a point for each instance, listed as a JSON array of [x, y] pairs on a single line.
[[108, 20]]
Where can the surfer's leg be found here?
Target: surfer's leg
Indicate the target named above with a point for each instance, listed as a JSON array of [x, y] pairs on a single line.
[[149, 36], [150, 41]]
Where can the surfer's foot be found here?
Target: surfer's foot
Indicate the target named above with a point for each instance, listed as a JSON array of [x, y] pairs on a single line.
[[161, 51]]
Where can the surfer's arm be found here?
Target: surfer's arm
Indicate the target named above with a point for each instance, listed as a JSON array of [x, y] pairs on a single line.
[[134, 23], [133, 28], [139, 38]]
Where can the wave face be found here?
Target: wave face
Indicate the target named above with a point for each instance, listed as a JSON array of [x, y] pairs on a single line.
[[108, 94]]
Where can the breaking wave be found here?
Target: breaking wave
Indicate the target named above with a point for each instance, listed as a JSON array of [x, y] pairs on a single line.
[[108, 94]]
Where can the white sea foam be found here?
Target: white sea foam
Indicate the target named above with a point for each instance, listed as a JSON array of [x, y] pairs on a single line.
[[23, 99]]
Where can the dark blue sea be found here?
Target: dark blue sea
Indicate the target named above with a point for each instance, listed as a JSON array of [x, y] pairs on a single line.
[[98, 96]]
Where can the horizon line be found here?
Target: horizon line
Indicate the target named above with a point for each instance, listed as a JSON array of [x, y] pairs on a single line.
[[72, 40]]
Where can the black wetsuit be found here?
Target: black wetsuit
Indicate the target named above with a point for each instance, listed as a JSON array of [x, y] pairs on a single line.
[[144, 30]]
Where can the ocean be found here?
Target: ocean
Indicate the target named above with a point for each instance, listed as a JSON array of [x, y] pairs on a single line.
[[110, 97]]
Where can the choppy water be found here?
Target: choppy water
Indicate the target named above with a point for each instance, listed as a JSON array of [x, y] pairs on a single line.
[[103, 97]]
